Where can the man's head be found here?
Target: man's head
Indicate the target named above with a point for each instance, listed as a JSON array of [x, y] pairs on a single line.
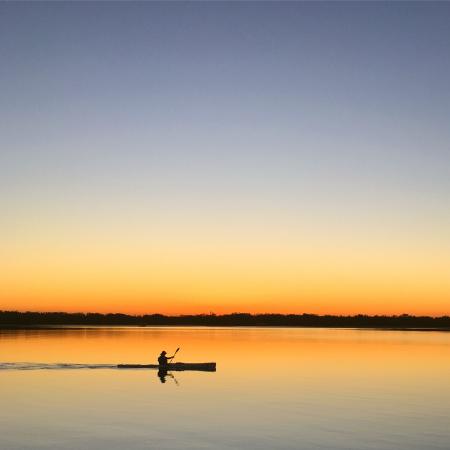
[[163, 353]]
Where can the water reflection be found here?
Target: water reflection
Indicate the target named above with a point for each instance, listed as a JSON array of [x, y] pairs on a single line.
[[164, 373], [339, 389]]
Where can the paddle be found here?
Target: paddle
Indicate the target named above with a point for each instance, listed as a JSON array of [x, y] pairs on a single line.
[[173, 357], [171, 375]]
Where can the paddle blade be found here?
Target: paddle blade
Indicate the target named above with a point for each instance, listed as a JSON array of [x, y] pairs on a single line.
[[173, 357]]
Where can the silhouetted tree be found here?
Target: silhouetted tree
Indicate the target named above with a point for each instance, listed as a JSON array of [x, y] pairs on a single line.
[[29, 319]]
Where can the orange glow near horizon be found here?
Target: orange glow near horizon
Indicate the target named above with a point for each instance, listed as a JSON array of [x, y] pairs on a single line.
[[187, 269], [281, 281], [179, 174]]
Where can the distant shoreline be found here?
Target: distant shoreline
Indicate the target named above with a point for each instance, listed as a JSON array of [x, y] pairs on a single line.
[[84, 327], [29, 320]]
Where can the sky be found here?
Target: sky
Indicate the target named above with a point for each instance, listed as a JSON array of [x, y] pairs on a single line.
[[220, 157]]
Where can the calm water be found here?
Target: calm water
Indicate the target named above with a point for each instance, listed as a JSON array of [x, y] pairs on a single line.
[[273, 389]]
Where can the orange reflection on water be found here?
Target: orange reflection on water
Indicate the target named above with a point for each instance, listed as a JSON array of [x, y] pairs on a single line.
[[264, 351], [271, 385]]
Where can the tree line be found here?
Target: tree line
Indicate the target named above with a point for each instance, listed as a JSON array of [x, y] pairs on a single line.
[[27, 319]]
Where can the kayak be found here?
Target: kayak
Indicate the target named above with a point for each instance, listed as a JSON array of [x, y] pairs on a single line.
[[205, 367]]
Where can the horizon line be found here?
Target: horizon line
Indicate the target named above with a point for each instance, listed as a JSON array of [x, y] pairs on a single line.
[[213, 314]]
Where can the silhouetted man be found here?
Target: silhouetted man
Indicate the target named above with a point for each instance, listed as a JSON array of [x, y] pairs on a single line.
[[163, 360]]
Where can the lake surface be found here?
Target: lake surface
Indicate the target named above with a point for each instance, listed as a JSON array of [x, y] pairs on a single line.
[[275, 388]]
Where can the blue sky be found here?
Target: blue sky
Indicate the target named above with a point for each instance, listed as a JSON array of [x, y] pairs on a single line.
[[328, 116]]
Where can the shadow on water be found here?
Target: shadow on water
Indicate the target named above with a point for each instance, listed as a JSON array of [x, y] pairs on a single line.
[[163, 374]]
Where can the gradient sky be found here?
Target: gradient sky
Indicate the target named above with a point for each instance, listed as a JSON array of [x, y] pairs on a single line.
[[197, 157]]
